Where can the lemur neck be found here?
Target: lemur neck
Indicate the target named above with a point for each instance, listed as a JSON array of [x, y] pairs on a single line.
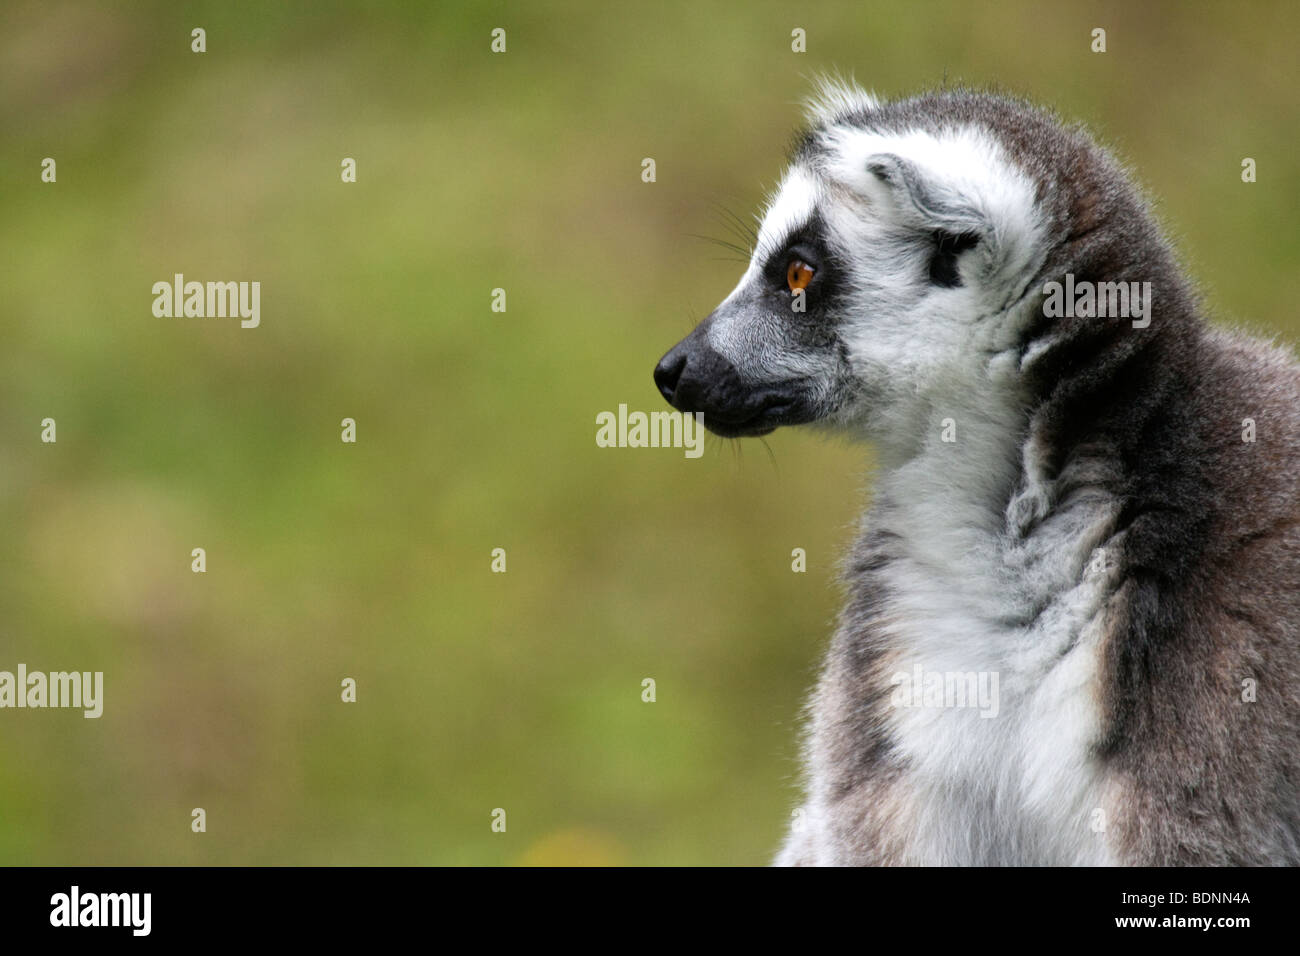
[[961, 438]]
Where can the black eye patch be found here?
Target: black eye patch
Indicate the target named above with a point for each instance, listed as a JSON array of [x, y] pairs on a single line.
[[796, 248], [947, 247], [807, 243]]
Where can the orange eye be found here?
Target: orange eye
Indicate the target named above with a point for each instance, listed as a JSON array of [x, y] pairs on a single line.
[[798, 275]]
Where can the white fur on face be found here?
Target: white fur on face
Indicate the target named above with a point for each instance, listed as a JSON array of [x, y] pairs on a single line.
[[904, 335], [908, 337], [747, 340]]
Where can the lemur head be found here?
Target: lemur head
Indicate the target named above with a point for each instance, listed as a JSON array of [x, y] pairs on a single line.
[[900, 263]]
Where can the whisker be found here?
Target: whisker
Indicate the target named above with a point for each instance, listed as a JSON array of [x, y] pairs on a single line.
[[738, 227], [744, 228], [724, 243]]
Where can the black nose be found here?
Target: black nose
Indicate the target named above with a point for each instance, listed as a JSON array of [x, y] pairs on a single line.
[[669, 371]]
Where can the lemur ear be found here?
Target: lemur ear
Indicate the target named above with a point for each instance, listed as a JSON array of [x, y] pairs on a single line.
[[930, 202]]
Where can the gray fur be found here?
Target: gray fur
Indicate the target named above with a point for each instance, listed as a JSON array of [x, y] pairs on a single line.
[[1123, 736]]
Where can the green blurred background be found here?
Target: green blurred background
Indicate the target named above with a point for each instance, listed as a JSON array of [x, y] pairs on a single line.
[[475, 429]]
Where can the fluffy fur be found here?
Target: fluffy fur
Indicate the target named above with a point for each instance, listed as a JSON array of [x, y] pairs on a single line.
[[1065, 503]]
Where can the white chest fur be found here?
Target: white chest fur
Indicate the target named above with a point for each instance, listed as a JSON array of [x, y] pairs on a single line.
[[977, 604]]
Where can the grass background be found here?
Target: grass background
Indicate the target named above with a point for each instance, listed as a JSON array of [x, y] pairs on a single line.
[[476, 429]]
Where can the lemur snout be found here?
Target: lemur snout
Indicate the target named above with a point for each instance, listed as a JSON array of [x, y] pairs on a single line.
[[694, 377], [669, 372]]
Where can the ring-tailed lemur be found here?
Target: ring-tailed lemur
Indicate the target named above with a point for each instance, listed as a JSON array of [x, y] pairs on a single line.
[[1071, 635]]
